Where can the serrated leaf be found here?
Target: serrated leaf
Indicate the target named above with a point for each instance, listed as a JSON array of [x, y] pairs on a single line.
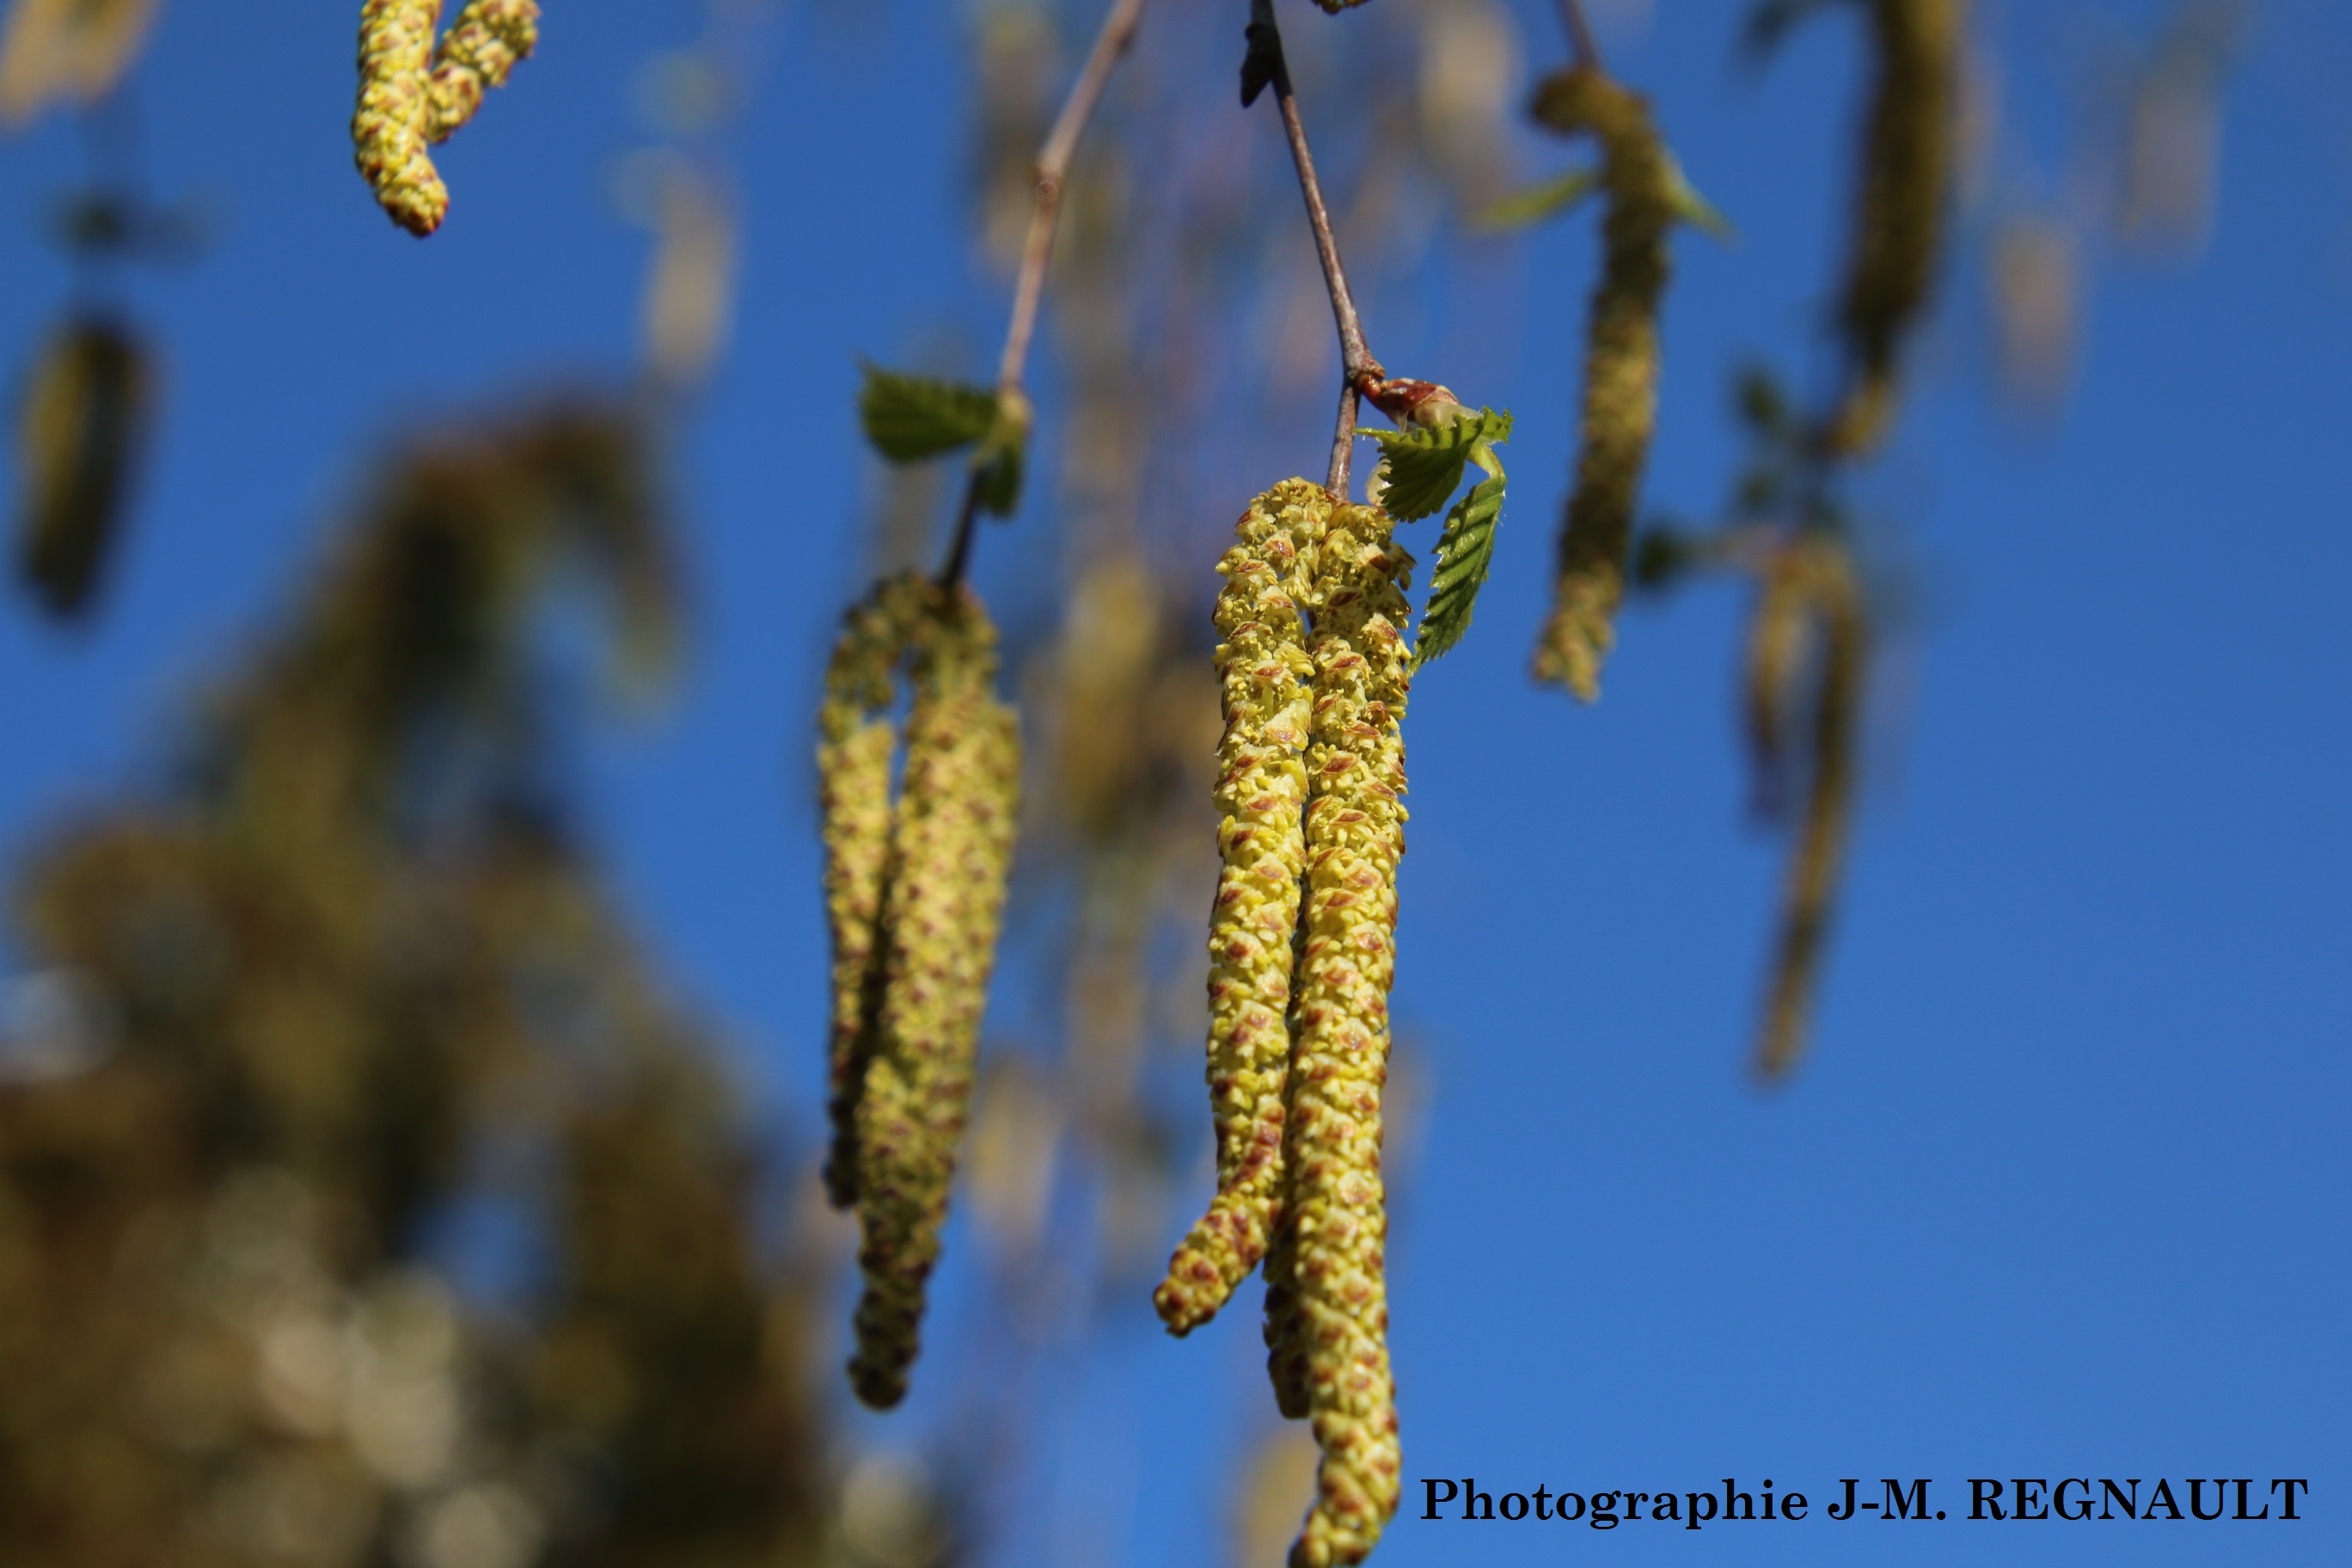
[[910, 417], [1522, 209], [1424, 464], [996, 470], [1464, 550]]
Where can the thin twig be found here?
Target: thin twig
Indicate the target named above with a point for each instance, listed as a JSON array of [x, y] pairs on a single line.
[[1053, 167], [1359, 369], [1052, 170], [1579, 34]]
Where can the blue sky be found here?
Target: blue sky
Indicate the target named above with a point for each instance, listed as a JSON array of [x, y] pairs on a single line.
[[2063, 1189]]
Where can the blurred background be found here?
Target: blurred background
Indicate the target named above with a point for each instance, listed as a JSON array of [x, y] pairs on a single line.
[[412, 1004]]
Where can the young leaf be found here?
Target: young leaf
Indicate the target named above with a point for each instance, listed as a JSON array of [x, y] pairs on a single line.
[[1695, 210], [1521, 209], [1464, 550], [998, 466], [910, 417], [1424, 465]]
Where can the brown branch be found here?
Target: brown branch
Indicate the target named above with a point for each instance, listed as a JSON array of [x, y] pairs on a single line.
[[1051, 170], [1360, 371], [1579, 34]]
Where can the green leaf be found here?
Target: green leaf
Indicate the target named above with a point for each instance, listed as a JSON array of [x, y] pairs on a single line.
[[997, 469], [910, 417], [1464, 550], [1522, 209], [1696, 209], [1424, 464]]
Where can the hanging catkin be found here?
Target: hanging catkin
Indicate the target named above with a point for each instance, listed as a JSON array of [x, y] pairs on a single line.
[[1621, 369], [1326, 1293], [1262, 669], [857, 743], [67, 51], [477, 53], [1833, 604], [84, 426], [412, 94], [1778, 638], [1899, 202], [940, 918], [388, 131]]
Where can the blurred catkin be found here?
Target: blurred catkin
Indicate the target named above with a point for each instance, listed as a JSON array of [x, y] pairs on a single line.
[[83, 427], [67, 51], [940, 914], [1822, 575], [1335, 1224], [477, 53], [1261, 794], [1900, 201], [388, 129], [1621, 369], [1777, 643], [857, 743]]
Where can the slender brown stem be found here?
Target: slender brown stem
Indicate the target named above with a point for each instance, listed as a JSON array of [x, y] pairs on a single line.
[[1579, 34], [1053, 167], [1052, 170], [1359, 369]]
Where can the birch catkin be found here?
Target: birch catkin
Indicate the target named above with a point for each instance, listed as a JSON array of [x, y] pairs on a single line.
[[1620, 371], [1337, 1223], [1834, 604], [388, 131], [940, 921], [1900, 201], [477, 53], [1262, 668], [84, 427], [57, 51], [1778, 636], [857, 743]]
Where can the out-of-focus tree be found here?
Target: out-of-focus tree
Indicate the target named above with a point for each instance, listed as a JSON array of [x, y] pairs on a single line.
[[343, 980]]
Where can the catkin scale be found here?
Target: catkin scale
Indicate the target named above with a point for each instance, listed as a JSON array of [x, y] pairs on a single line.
[[83, 427], [1621, 369], [952, 850], [1331, 1313], [1900, 203], [478, 52], [388, 130], [1261, 794], [1833, 605], [857, 744]]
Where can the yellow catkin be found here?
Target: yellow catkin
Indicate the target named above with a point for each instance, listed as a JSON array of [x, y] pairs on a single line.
[[477, 53], [856, 741], [1777, 643], [940, 920], [67, 51], [388, 129], [1336, 1221], [1261, 795], [1834, 603], [1900, 203], [84, 426], [1620, 371]]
